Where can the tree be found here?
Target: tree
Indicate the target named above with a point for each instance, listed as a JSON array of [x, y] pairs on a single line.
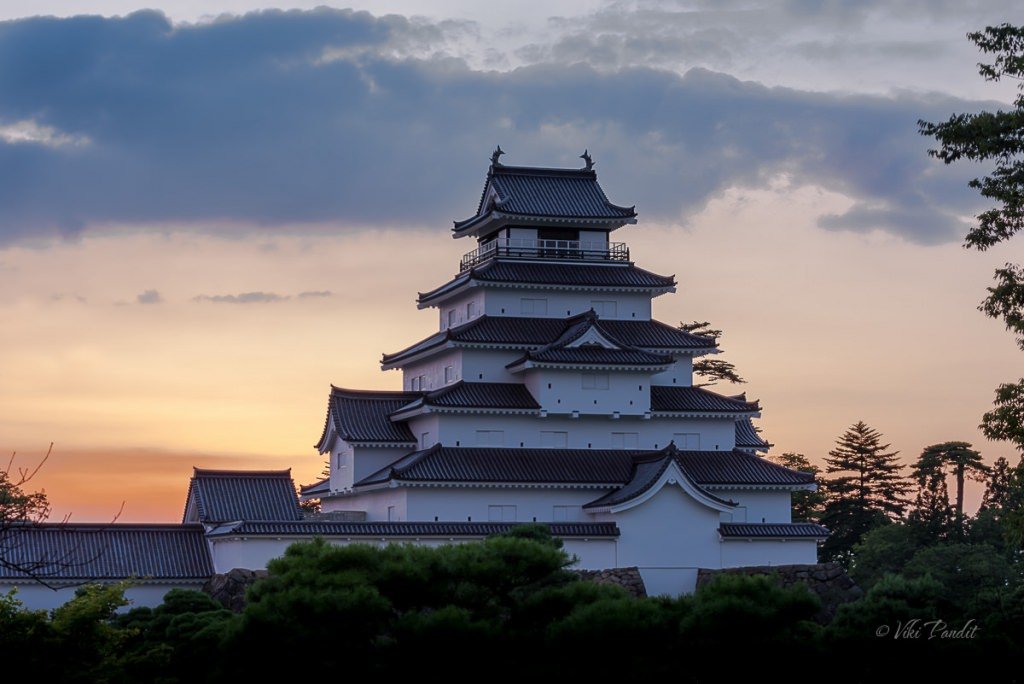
[[1002, 506], [710, 368], [959, 460], [996, 137], [20, 509], [1006, 420], [931, 513], [868, 491], [806, 506]]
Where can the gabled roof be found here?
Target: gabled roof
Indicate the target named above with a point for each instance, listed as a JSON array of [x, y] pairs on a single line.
[[404, 529], [532, 333], [570, 349], [56, 552], [363, 416], [673, 399], [601, 276], [216, 496], [477, 395], [318, 488], [584, 467], [772, 531], [647, 472], [748, 437], [532, 193]]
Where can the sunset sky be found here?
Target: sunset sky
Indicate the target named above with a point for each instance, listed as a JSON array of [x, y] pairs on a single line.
[[207, 219]]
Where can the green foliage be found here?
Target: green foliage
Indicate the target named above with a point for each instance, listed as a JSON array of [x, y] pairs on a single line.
[[806, 506], [964, 570], [884, 550], [867, 490], [1006, 420]]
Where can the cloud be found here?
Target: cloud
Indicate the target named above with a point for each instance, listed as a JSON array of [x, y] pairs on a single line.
[[307, 118], [149, 297], [243, 298], [315, 294]]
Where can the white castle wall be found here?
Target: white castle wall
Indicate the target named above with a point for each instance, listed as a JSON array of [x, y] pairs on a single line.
[[464, 504], [757, 506], [737, 553], [37, 597]]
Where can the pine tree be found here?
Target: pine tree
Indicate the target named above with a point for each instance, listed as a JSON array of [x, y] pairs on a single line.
[[1000, 484], [710, 368], [806, 505], [961, 461], [868, 491]]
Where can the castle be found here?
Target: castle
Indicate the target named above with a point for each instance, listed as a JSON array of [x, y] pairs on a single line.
[[548, 394]]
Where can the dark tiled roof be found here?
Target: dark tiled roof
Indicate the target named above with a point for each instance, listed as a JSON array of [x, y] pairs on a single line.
[[492, 395], [363, 416], [225, 495], [696, 399], [646, 472], [599, 357], [610, 275], [576, 466], [317, 488], [537, 332], [539, 192], [72, 551], [772, 530], [747, 436], [407, 529]]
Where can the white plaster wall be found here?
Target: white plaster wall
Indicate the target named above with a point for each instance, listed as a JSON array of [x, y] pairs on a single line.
[[679, 374], [499, 301], [669, 537], [740, 552], [561, 391], [460, 306], [432, 370], [585, 432], [37, 597], [757, 506], [484, 365], [460, 504], [375, 503], [255, 553]]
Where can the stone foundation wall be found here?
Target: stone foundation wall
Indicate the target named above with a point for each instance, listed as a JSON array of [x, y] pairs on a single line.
[[828, 580], [627, 578], [229, 589]]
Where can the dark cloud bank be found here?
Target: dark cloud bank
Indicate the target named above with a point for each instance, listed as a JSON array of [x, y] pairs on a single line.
[[243, 120]]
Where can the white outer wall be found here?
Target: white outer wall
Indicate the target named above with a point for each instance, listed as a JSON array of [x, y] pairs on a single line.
[[669, 537], [255, 553], [740, 552], [585, 432], [679, 374], [757, 506], [561, 391], [457, 504], [564, 303], [375, 503], [38, 597]]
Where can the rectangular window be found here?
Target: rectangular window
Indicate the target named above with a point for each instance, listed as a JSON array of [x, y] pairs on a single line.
[[414, 384], [501, 513], [533, 307], [342, 459], [625, 440], [565, 514], [449, 374], [595, 381], [451, 318], [605, 308], [687, 440], [553, 439], [470, 311], [490, 437], [425, 440], [392, 514]]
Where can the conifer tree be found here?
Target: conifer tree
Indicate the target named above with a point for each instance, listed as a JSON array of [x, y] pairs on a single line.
[[931, 514], [867, 490]]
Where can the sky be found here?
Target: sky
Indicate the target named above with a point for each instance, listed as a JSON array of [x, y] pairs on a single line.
[[211, 211]]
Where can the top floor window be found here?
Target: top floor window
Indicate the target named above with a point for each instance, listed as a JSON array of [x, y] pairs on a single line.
[[533, 307], [595, 381]]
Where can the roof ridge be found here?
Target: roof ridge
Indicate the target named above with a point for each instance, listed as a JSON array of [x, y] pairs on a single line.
[[223, 472], [371, 394]]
